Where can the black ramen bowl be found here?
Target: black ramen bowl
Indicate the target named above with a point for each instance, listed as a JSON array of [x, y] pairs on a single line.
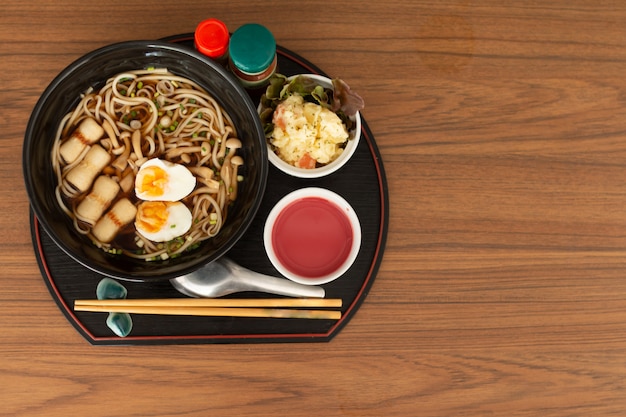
[[92, 70]]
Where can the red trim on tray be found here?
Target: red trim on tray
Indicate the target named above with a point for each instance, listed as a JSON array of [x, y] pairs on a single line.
[[53, 286], [357, 300]]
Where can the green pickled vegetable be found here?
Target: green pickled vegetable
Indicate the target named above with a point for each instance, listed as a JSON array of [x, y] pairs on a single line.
[[339, 99]]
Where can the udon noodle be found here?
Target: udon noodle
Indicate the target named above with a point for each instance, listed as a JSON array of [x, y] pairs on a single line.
[[142, 115]]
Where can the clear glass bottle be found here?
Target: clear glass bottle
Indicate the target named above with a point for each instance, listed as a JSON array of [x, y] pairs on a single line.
[[252, 56]]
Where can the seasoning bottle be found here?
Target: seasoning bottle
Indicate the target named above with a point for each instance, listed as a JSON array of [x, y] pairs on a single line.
[[211, 38], [252, 56]]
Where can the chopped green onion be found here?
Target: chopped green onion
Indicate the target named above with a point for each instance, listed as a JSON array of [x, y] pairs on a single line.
[[192, 247]]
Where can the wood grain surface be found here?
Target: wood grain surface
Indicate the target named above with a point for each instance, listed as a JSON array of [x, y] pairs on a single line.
[[502, 127]]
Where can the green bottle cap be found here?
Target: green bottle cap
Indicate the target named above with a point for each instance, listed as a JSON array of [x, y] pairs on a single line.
[[252, 48]]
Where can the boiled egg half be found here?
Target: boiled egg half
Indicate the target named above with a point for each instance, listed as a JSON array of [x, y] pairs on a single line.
[[159, 180], [162, 221]]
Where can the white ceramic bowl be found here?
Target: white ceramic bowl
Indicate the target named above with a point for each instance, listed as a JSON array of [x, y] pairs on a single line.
[[353, 142], [312, 236]]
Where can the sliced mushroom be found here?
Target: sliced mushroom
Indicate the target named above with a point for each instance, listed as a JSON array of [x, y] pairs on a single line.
[[236, 161]]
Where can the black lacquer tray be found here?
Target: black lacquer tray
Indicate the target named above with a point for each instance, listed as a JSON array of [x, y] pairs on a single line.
[[362, 182]]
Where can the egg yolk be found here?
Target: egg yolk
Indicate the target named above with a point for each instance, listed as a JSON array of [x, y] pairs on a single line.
[[153, 181], [151, 216]]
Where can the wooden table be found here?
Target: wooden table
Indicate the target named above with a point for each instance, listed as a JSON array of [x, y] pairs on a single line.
[[502, 127]]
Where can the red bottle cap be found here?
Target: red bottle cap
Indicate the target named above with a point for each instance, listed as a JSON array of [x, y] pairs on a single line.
[[211, 38]]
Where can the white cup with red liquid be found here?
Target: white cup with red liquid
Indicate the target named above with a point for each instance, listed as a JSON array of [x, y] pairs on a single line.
[[312, 236]]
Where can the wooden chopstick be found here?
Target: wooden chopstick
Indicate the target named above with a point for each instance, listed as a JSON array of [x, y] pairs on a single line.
[[214, 311], [215, 302], [233, 307]]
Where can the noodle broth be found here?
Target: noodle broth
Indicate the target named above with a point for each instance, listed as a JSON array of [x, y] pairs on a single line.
[[140, 116]]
